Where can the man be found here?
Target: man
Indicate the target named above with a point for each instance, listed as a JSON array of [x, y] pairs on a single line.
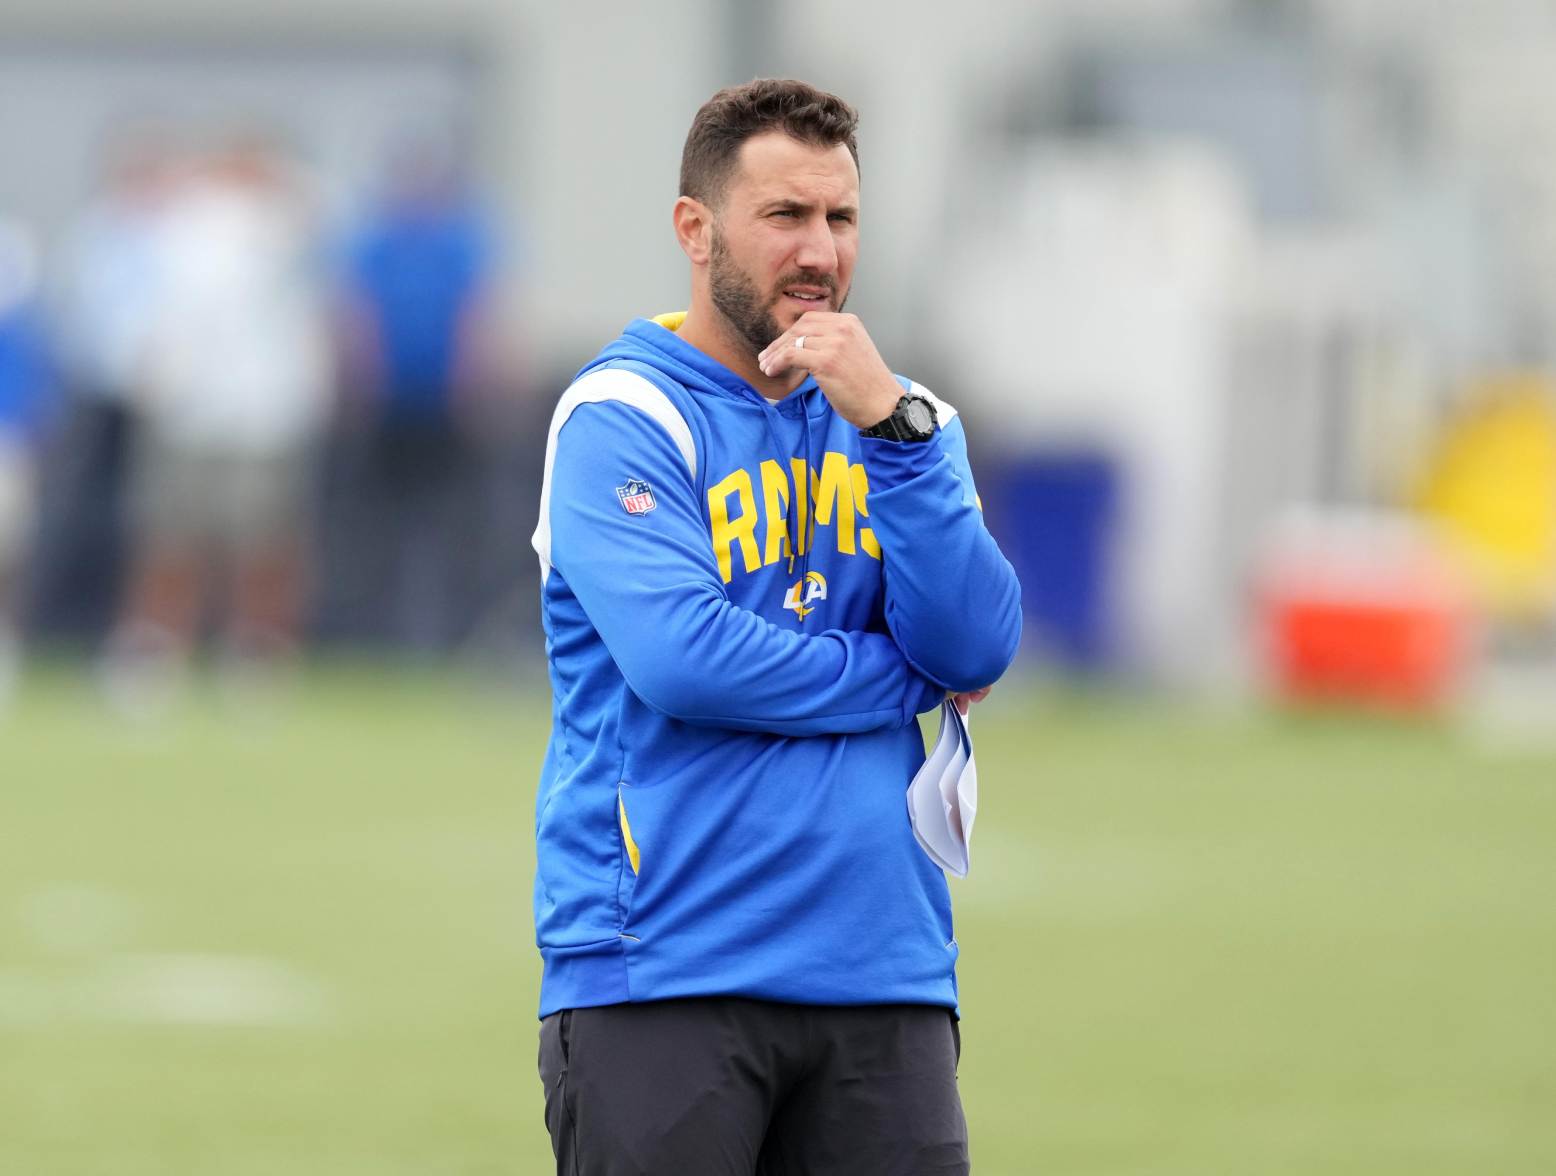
[[235, 393], [418, 290], [761, 557], [26, 387]]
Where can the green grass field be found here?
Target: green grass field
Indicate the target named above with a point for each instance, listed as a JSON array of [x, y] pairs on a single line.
[[1191, 945]]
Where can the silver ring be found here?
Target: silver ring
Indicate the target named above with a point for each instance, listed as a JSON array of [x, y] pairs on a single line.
[[799, 343]]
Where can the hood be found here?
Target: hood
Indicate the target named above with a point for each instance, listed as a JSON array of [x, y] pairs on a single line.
[[653, 342]]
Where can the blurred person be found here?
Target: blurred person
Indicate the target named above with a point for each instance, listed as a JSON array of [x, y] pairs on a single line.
[[418, 281], [104, 298], [237, 377], [24, 386], [761, 557]]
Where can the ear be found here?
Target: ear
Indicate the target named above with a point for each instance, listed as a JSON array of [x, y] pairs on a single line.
[[693, 228]]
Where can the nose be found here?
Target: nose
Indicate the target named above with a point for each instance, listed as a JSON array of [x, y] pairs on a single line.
[[818, 250]]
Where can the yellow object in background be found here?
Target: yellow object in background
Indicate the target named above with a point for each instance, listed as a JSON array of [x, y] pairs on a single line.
[[1492, 487]]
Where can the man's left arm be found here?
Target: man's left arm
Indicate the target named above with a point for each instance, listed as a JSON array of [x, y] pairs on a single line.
[[952, 599]]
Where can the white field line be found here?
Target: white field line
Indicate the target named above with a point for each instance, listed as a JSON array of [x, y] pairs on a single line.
[[169, 989]]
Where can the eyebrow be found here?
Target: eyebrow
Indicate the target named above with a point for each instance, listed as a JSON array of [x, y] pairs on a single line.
[[805, 206]]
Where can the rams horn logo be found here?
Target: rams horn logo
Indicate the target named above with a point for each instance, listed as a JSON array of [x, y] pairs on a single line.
[[815, 586]]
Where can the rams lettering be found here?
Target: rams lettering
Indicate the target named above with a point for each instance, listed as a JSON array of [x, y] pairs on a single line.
[[838, 494]]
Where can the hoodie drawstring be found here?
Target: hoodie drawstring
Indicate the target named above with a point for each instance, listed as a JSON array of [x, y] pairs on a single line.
[[799, 543], [790, 529], [810, 516]]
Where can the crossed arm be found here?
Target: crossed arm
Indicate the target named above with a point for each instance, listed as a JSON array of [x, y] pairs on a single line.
[[650, 586]]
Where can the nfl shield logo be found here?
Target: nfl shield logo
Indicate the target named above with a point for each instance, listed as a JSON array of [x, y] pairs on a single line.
[[637, 496]]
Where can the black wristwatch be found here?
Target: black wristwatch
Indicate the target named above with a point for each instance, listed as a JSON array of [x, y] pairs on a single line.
[[912, 420]]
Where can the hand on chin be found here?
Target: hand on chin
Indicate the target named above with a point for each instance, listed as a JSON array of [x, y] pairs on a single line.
[[838, 351]]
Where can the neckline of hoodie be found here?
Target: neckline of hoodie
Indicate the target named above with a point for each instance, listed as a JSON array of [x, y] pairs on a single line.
[[712, 373]]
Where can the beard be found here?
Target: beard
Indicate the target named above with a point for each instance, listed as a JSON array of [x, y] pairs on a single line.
[[744, 307]]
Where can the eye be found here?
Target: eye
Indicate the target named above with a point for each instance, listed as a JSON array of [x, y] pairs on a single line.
[[841, 218], [788, 212]]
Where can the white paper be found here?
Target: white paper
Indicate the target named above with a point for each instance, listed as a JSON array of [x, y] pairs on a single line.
[[943, 797]]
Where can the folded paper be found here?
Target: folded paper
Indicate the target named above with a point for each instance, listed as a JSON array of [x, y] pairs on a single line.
[[943, 797]]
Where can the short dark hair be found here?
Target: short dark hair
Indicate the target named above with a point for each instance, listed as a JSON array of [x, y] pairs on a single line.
[[738, 113]]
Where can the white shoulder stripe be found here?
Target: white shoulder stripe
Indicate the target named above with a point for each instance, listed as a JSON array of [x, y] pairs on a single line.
[[943, 412], [598, 387]]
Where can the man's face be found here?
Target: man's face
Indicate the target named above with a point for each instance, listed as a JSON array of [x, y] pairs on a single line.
[[785, 235]]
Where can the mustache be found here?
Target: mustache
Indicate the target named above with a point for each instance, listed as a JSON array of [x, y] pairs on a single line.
[[801, 278]]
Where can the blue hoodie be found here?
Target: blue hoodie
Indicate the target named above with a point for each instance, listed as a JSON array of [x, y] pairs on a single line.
[[721, 810]]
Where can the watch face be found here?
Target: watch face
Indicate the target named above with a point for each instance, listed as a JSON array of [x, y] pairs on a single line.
[[919, 417]]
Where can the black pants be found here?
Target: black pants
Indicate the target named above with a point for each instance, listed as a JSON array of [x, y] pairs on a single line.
[[731, 1087]]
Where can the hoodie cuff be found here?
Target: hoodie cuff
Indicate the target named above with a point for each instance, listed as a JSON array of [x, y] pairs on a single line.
[[924, 694], [893, 463]]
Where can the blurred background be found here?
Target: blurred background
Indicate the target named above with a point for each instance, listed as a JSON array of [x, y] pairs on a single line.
[[1250, 309]]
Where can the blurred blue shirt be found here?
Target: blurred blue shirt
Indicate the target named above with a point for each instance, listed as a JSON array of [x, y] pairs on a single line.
[[25, 371], [417, 270]]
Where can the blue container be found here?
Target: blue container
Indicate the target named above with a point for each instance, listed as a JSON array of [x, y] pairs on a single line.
[[1054, 514]]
